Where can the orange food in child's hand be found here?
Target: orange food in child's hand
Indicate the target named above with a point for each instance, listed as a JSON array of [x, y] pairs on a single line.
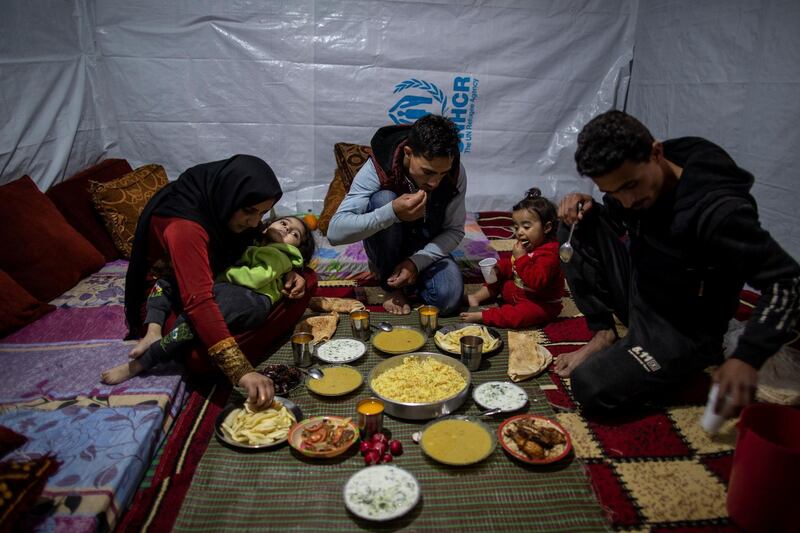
[[311, 221]]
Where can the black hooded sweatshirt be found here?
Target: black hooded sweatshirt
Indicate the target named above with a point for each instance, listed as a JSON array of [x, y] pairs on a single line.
[[696, 247]]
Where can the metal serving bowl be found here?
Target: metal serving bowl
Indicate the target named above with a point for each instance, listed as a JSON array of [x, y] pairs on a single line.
[[422, 411]]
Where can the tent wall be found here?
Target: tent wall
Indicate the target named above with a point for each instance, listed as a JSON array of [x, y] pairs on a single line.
[[728, 71], [182, 82]]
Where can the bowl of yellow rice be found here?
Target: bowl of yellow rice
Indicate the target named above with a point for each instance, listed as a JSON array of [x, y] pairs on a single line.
[[421, 385]]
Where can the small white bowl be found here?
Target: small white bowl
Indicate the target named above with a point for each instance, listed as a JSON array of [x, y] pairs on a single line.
[[381, 492], [341, 350]]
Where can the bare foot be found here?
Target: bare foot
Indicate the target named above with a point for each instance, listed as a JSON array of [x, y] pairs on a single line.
[[121, 373], [472, 300], [474, 317], [396, 303], [153, 334], [567, 362]]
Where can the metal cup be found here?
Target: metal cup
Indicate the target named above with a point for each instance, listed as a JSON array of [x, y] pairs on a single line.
[[429, 318], [471, 351], [359, 324], [370, 417], [302, 349]]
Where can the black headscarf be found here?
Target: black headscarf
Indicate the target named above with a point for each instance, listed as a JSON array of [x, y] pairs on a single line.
[[208, 194]]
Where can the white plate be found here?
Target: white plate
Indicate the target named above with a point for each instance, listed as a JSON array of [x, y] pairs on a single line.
[[500, 395], [341, 350], [381, 492]]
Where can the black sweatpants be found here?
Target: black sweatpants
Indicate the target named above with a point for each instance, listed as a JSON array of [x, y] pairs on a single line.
[[654, 357], [243, 309]]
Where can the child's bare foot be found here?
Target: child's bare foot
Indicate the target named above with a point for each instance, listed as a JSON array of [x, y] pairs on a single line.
[[567, 362], [153, 334], [396, 303], [121, 373], [474, 317]]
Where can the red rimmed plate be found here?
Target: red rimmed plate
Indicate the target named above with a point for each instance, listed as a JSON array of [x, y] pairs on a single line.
[[554, 454], [309, 435]]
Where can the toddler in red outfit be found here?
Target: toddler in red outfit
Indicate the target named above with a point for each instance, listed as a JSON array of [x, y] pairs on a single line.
[[530, 282]]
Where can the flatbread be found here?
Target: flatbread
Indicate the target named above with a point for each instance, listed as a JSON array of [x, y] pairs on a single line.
[[321, 327], [324, 304], [527, 358]]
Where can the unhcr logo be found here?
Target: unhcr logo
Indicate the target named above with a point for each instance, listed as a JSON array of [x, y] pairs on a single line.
[[419, 98]]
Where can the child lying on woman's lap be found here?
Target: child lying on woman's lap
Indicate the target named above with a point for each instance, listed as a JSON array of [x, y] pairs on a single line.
[[245, 294]]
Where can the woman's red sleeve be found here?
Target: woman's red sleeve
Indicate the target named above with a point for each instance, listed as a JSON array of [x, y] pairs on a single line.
[[187, 245]]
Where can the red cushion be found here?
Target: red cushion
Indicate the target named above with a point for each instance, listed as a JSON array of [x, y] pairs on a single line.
[[73, 200], [17, 306], [255, 343], [40, 250]]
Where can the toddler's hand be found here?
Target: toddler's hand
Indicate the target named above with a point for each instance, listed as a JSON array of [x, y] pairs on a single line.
[[518, 250]]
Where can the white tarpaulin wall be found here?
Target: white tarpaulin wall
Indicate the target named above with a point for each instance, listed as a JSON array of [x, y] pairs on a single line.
[[183, 82]]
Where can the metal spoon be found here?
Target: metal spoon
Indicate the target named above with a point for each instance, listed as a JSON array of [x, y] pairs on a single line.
[[383, 326], [314, 373], [565, 250], [490, 412]]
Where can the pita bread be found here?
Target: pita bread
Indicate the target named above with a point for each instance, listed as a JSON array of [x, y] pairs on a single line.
[[527, 358], [324, 304], [321, 327]]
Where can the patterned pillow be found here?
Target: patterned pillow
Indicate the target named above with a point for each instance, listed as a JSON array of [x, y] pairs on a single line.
[[349, 159], [22, 481], [336, 193], [121, 201]]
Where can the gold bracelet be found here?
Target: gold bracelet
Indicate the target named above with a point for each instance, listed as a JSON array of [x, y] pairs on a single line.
[[230, 359]]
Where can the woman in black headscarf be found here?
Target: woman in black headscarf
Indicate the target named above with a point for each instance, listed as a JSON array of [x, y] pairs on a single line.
[[190, 231]]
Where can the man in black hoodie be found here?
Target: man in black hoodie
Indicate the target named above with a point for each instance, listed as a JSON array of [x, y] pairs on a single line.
[[668, 253], [407, 205]]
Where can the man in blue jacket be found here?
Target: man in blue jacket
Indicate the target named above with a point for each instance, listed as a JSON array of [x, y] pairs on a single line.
[[407, 205]]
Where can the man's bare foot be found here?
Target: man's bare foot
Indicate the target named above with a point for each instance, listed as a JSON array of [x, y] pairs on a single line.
[[396, 303], [474, 317], [121, 373], [567, 362], [153, 334]]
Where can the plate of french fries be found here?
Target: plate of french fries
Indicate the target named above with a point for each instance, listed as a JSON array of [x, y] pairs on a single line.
[[448, 338], [241, 426]]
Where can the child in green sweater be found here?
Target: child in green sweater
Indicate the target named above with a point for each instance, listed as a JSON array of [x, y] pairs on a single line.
[[245, 294]]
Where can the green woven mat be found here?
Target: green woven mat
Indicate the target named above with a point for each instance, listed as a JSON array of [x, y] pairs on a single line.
[[279, 490]]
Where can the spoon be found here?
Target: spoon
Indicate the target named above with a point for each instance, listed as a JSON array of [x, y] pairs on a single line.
[[314, 373], [490, 412], [565, 250], [383, 326]]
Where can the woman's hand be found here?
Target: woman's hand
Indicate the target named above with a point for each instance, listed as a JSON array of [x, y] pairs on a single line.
[[568, 208], [737, 387], [294, 285], [260, 389]]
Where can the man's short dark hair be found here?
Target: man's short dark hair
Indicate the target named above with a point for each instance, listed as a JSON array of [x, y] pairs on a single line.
[[610, 139], [434, 136]]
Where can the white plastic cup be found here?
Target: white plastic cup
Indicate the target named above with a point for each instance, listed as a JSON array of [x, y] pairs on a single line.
[[712, 421], [488, 269]]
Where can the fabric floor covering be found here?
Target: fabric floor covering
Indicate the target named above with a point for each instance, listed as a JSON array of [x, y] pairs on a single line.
[[655, 470], [280, 490]]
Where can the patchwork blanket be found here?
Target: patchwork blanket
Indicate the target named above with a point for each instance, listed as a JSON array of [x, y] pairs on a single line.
[[103, 436], [349, 261]]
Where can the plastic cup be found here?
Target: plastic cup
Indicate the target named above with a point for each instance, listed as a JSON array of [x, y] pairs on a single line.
[[488, 269], [711, 421], [429, 318], [359, 324], [471, 351], [302, 349]]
